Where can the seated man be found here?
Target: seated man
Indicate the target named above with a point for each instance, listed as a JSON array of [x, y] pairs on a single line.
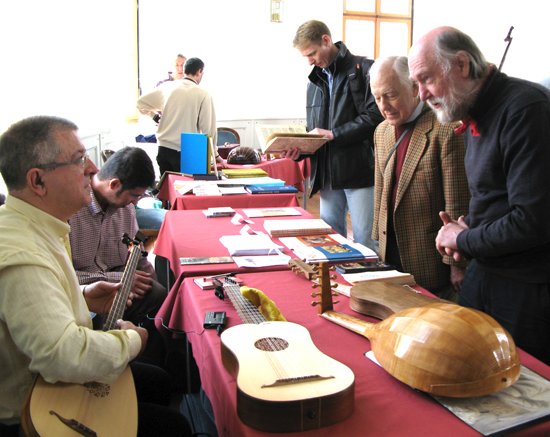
[[98, 252], [45, 325]]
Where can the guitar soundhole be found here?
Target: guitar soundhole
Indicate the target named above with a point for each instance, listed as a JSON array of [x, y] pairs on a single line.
[[98, 389], [270, 344]]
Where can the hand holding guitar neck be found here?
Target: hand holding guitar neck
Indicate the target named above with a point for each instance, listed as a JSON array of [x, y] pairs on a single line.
[[100, 295]]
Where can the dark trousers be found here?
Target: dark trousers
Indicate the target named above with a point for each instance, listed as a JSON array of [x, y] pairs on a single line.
[[155, 417], [522, 308], [168, 160]]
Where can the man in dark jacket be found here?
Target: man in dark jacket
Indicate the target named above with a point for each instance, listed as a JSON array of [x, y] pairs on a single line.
[[341, 107], [506, 125]]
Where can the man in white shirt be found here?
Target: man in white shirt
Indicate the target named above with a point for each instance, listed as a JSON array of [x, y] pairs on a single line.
[[45, 324]]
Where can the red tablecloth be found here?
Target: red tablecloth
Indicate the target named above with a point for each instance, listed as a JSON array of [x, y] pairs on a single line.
[[191, 234], [235, 201], [169, 194], [383, 405]]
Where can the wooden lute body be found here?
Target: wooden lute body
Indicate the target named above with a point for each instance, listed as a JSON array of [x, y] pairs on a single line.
[[91, 409], [441, 348], [284, 383], [380, 299]]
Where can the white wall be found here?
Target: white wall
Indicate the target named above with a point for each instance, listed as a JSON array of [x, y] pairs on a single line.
[[77, 58], [488, 22], [251, 68]]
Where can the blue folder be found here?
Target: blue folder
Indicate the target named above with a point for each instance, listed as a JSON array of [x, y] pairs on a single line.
[[195, 154]]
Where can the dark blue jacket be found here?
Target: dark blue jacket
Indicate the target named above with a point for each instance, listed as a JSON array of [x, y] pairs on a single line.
[[508, 169], [351, 114]]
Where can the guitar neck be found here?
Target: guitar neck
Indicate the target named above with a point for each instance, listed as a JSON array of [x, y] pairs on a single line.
[[119, 304], [246, 310]]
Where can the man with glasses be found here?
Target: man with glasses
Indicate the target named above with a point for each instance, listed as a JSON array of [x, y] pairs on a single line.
[[45, 325], [98, 252]]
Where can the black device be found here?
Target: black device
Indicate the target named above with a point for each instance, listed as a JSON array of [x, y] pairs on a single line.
[[214, 320]]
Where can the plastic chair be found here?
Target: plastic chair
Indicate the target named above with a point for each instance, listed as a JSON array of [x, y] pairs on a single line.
[[228, 135]]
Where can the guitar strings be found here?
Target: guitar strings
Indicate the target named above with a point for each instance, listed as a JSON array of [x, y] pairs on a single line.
[[250, 314], [119, 304]]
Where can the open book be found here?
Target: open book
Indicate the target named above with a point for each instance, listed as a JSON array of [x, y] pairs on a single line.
[[276, 139]]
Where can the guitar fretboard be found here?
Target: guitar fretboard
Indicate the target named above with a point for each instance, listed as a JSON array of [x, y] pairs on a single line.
[[245, 309], [119, 304]]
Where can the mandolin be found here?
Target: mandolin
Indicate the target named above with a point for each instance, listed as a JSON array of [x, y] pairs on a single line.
[[91, 409], [284, 383], [127, 280], [440, 348]]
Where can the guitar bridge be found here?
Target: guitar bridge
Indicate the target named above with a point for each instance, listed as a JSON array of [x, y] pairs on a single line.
[[296, 380]]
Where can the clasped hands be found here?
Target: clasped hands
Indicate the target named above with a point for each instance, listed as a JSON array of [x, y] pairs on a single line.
[[445, 242]]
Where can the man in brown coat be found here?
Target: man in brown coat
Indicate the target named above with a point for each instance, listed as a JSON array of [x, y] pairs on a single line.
[[419, 171]]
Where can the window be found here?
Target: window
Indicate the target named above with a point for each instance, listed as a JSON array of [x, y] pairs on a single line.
[[377, 28]]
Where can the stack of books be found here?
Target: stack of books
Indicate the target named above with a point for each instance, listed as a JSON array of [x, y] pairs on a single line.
[[297, 227], [243, 172], [332, 248], [261, 189]]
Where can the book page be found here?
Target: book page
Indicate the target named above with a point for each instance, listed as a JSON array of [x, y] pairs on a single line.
[[263, 131], [306, 143]]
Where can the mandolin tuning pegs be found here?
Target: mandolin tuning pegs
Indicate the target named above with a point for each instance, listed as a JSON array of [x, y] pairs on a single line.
[[314, 294], [315, 303], [315, 285]]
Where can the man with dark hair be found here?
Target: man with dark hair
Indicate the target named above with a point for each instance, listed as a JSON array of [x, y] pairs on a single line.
[[180, 106], [340, 107], [98, 252], [506, 126], [45, 325]]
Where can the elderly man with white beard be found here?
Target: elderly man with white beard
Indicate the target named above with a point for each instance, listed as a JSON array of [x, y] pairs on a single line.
[[506, 126]]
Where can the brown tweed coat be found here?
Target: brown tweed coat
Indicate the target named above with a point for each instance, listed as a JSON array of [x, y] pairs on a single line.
[[433, 179]]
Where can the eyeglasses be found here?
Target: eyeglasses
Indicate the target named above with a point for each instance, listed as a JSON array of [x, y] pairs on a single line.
[[81, 161]]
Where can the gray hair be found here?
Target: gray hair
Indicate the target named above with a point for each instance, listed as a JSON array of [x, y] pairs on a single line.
[[447, 45], [27, 144], [399, 64]]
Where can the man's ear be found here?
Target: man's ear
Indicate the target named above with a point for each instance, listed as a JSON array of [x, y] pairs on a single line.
[[35, 181], [463, 63], [115, 184]]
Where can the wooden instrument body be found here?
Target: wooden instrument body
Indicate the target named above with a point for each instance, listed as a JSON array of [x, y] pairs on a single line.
[[284, 383], [293, 388], [438, 347], [108, 409], [442, 349], [380, 299]]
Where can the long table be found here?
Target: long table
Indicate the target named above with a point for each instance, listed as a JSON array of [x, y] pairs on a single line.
[[190, 234], [177, 201], [383, 405]]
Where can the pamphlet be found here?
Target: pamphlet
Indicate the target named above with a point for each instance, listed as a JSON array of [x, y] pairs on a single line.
[[527, 400], [206, 260], [271, 212]]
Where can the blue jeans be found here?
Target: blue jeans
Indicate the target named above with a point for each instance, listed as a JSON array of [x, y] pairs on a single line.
[[335, 205]]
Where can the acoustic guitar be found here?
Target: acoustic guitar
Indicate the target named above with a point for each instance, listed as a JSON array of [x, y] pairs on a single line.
[[284, 383], [91, 409], [440, 348]]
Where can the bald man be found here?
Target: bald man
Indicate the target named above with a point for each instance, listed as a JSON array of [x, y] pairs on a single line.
[[506, 128]]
